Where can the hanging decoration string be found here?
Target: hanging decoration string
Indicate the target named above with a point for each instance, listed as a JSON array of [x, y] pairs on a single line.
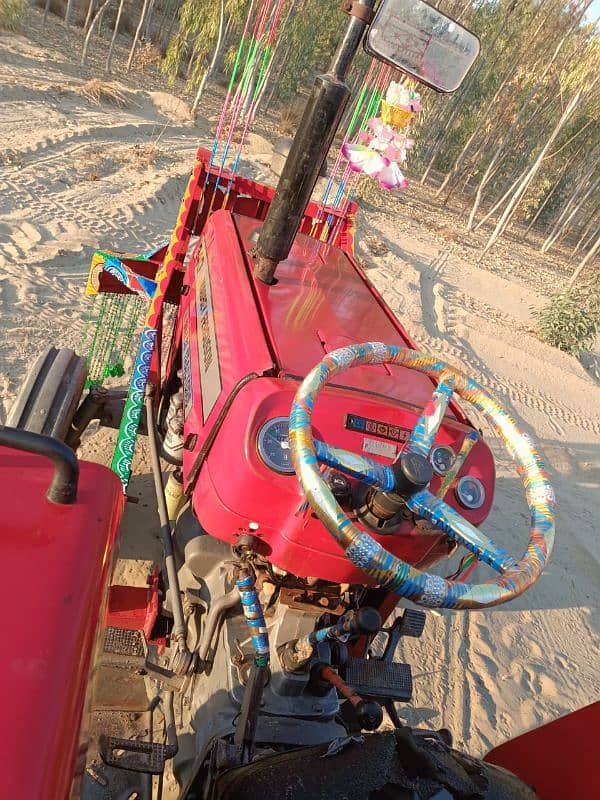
[[259, 49], [382, 77]]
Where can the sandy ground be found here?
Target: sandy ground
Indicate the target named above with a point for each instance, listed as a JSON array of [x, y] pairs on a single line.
[[74, 175]]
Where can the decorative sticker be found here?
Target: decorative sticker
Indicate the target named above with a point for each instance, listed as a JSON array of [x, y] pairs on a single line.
[[376, 428], [208, 356]]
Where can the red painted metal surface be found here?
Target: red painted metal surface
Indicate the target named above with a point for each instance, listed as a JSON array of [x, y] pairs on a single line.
[[241, 345], [268, 338], [55, 567], [134, 608], [560, 759], [319, 303]]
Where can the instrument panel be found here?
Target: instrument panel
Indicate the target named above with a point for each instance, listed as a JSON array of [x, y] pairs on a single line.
[[273, 448]]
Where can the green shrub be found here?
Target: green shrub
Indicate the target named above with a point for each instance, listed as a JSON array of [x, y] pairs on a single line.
[[10, 13], [571, 319]]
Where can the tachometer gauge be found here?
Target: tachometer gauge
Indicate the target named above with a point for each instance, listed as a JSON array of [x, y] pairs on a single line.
[[470, 492], [442, 457], [274, 445]]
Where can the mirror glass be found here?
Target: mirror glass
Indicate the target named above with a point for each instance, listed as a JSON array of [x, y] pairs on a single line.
[[422, 42]]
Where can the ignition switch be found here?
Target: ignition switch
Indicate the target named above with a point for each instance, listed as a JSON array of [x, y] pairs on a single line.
[[340, 486]]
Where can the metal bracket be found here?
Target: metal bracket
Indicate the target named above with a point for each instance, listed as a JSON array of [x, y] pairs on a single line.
[[359, 10]]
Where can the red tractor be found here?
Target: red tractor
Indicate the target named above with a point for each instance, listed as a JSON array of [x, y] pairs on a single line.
[[320, 468]]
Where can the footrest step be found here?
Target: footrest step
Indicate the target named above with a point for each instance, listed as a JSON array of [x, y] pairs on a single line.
[[148, 757], [123, 642], [377, 678]]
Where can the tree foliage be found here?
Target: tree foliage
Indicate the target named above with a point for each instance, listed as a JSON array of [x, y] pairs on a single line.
[[503, 144], [11, 12], [502, 141], [571, 320]]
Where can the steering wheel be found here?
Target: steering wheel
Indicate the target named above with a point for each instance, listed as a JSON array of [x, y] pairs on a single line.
[[407, 480]]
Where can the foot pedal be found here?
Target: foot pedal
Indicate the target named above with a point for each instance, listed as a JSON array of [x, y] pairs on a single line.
[[148, 757], [378, 678], [411, 623]]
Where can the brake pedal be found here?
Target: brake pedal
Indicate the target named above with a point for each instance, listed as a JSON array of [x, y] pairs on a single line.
[[148, 757], [378, 678], [411, 623]]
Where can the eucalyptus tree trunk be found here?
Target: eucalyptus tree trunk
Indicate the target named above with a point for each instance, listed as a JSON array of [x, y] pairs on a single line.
[[514, 180], [137, 35], [529, 176], [220, 65], [114, 36], [95, 21], [580, 182], [164, 41], [291, 13], [446, 124], [565, 220], [68, 10], [553, 189], [191, 62], [516, 127], [211, 66], [583, 239], [149, 20], [88, 17], [590, 255], [281, 67], [458, 160]]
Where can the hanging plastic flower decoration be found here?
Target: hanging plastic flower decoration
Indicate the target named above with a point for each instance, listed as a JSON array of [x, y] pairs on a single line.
[[382, 148]]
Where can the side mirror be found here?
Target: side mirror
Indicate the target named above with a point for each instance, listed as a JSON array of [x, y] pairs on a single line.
[[423, 43]]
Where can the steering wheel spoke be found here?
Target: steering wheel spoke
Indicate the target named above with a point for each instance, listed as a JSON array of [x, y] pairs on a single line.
[[365, 469], [448, 520], [424, 433]]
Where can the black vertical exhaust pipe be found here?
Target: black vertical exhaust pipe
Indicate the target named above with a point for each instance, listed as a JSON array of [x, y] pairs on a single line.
[[311, 144]]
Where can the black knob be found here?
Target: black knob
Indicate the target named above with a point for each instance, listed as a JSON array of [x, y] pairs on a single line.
[[366, 622], [369, 714], [412, 473]]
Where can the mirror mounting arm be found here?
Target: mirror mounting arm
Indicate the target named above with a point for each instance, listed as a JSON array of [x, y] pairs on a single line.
[[355, 9]]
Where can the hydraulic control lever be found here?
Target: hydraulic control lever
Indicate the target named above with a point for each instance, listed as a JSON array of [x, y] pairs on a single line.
[[368, 713], [295, 654]]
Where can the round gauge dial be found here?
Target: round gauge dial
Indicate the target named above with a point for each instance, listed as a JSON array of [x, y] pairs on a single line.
[[442, 457], [274, 445], [470, 492]]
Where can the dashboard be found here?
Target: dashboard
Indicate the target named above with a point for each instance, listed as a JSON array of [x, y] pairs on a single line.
[[254, 487]]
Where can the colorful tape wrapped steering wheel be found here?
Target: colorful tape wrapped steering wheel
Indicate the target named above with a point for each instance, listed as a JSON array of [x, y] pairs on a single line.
[[411, 477]]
